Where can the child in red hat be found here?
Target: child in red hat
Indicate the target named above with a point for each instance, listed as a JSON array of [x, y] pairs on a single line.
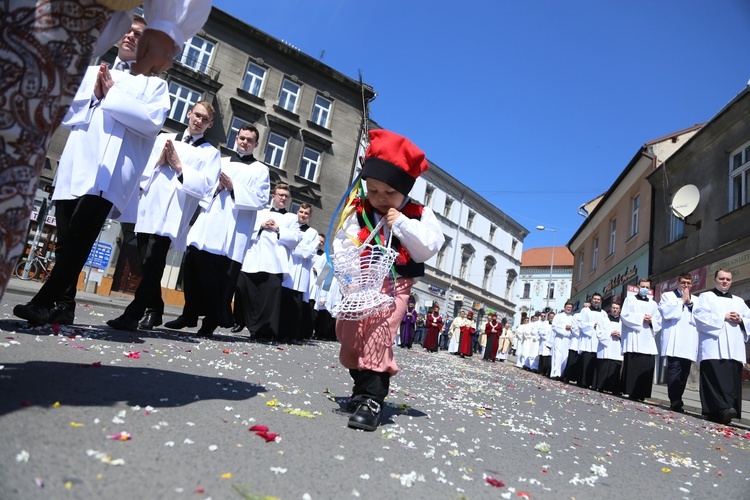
[[392, 165]]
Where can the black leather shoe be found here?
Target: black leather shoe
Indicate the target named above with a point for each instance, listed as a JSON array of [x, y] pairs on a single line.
[[180, 322], [151, 320], [677, 406], [35, 314], [726, 416], [62, 314], [123, 323], [206, 331], [367, 416], [237, 328]]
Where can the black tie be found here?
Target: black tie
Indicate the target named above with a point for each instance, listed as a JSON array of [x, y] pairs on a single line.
[[122, 66], [188, 139]]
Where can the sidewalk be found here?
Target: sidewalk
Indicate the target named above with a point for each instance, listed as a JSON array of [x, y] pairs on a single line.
[[658, 394]]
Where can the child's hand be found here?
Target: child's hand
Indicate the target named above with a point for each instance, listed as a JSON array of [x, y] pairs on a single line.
[[391, 216]]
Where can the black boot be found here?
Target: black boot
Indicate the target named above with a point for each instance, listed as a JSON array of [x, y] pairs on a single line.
[[367, 416], [151, 320]]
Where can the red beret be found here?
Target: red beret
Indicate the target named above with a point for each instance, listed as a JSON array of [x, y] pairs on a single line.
[[393, 159]]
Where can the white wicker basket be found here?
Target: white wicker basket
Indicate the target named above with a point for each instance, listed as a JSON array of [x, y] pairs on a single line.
[[361, 272]]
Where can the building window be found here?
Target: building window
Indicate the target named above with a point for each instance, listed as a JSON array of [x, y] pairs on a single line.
[[635, 205], [183, 99], [428, 190], [612, 235], [526, 291], [466, 254], [275, 150], [739, 177], [447, 207], [493, 228], [321, 111], [196, 54], [551, 291], [234, 129], [489, 269], [580, 266], [254, 77], [595, 255], [289, 95], [470, 220], [308, 167], [441, 253], [676, 228]]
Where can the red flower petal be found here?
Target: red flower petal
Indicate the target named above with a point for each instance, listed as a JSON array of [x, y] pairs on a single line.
[[523, 494], [495, 482], [268, 436], [258, 428]]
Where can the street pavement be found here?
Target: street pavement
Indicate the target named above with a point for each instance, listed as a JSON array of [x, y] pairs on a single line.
[[90, 412]]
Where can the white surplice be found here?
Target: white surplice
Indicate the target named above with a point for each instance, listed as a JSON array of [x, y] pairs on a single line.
[[110, 139], [609, 347], [561, 342], [268, 251], [720, 339], [679, 337], [637, 335], [228, 218], [302, 262], [589, 326], [167, 203]]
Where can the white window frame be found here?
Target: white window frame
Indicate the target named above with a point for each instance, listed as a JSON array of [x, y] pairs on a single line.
[[526, 293], [275, 151], [595, 255], [441, 253], [612, 236], [470, 219], [310, 163], [739, 177], [253, 83], [182, 99], [321, 113], [635, 208], [428, 191], [550, 290], [447, 207], [197, 55], [489, 269], [234, 129], [289, 95]]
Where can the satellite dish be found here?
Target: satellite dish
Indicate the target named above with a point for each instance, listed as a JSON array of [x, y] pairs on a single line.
[[685, 201]]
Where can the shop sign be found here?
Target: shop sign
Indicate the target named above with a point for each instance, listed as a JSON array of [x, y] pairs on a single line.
[[620, 279], [739, 264], [49, 219], [699, 283], [436, 290]]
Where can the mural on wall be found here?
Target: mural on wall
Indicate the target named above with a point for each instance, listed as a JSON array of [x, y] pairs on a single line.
[[538, 287], [564, 289]]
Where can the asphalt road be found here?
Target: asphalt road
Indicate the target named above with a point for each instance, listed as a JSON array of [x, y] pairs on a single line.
[[70, 399]]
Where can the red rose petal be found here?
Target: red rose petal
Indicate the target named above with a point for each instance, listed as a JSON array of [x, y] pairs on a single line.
[[268, 436], [258, 428], [495, 482]]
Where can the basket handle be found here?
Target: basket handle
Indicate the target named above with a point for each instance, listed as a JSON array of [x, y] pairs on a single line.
[[375, 231]]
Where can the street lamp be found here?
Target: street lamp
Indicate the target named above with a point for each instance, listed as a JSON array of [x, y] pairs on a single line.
[[552, 260]]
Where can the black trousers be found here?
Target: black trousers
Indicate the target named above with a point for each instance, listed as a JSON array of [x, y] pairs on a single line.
[[638, 374], [207, 281], [257, 303], [291, 319], [370, 384], [153, 249], [78, 224], [587, 362], [678, 370], [572, 367], [325, 325], [720, 386]]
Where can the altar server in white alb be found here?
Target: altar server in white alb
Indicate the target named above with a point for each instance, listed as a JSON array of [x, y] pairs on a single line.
[[640, 322], [114, 120], [266, 264], [723, 320], [609, 353], [590, 323], [572, 371], [182, 170], [561, 326], [218, 240], [45, 51], [679, 338], [295, 321]]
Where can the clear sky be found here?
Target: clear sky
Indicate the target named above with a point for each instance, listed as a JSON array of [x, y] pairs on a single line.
[[537, 105]]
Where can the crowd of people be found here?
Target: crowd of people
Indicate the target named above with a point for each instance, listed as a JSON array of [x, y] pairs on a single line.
[[615, 351]]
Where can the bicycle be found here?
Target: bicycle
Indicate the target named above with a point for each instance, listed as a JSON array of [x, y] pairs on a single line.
[[39, 269]]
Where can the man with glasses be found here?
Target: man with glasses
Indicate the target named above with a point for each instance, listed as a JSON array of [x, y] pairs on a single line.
[[679, 338], [257, 302], [722, 320]]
